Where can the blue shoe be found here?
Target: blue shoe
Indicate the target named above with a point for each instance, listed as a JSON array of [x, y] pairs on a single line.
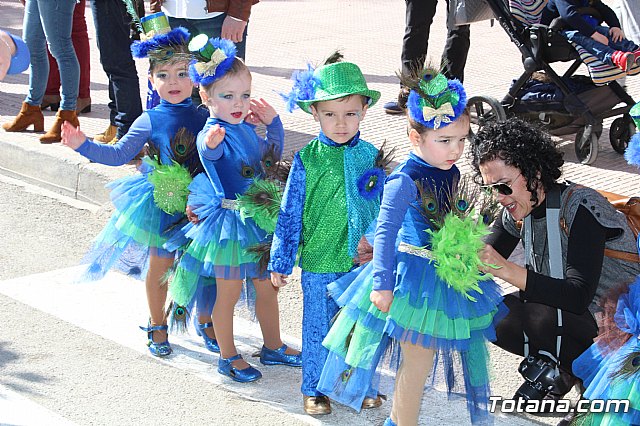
[[209, 343], [389, 422], [279, 357], [393, 108], [246, 375], [157, 349]]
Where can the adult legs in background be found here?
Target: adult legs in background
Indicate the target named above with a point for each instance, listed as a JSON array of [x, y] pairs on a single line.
[[114, 43], [456, 50], [211, 27], [80, 39]]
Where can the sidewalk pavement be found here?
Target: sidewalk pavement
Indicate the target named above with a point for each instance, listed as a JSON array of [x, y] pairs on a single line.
[[283, 36]]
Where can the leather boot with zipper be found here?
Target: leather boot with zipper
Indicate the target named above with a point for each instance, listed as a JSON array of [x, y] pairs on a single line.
[[28, 115]]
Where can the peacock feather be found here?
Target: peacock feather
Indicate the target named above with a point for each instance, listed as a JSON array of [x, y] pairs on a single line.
[[178, 316], [336, 56], [131, 10], [385, 157], [261, 202], [185, 151], [430, 205], [262, 253], [629, 366]]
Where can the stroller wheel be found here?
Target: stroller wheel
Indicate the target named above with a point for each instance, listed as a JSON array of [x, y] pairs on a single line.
[[484, 109], [586, 146], [620, 133]]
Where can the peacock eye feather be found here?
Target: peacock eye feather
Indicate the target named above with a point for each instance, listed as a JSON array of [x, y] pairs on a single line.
[[181, 149], [462, 205], [431, 206], [346, 375], [247, 172], [629, 366]]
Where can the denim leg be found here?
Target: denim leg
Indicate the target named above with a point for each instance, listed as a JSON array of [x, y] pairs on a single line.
[[57, 18], [318, 311], [112, 34], [597, 49], [624, 45], [211, 27], [33, 35]]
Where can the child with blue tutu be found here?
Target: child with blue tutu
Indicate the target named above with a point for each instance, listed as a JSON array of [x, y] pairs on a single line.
[[422, 287], [150, 204], [330, 199], [234, 158]]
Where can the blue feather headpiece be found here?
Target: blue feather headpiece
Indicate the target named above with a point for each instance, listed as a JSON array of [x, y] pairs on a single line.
[[214, 57], [159, 42], [305, 83], [434, 101]]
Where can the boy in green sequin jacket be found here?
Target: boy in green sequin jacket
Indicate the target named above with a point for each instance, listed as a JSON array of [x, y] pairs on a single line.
[[331, 197]]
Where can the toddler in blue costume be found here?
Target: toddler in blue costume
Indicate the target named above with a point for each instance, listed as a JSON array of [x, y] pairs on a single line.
[[400, 294], [148, 205], [231, 154], [331, 197]]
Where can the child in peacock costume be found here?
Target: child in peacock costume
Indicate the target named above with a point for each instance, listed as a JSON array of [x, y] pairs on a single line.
[[150, 205], [610, 368], [422, 288], [234, 158]]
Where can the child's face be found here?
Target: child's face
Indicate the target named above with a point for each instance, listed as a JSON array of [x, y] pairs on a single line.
[[443, 147], [228, 99], [340, 119], [172, 81]]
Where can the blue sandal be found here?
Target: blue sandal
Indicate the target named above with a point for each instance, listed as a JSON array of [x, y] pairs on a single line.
[[279, 357], [226, 368], [209, 343], [157, 349]]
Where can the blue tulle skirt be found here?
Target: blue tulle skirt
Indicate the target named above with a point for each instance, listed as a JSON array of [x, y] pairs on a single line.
[[425, 311], [216, 246], [136, 229]]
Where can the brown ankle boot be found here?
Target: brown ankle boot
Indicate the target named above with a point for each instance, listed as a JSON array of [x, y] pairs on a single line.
[[28, 115], [55, 133]]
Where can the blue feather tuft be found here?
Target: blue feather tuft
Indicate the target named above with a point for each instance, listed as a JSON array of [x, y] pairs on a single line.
[[230, 51], [415, 109], [304, 88], [632, 154], [141, 49]]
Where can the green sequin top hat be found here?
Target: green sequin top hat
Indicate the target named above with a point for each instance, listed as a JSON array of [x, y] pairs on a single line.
[[159, 42], [153, 25], [328, 82]]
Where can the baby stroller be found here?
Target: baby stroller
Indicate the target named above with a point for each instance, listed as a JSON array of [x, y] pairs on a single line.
[[571, 103]]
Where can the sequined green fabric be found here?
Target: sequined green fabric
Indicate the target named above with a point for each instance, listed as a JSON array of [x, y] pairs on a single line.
[[324, 220]]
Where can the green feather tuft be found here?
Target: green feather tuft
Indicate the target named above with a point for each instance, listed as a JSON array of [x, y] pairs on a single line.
[[261, 202], [131, 10], [170, 186], [455, 249]]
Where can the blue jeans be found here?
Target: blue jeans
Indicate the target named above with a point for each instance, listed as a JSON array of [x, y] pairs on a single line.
[[599, 50], [114, 43], [49, 22], [211, 27]]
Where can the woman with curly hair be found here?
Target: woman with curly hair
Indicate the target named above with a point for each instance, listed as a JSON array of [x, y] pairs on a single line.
[[554, 316]]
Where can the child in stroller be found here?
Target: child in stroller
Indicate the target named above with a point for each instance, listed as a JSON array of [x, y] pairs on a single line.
[[582, 21]]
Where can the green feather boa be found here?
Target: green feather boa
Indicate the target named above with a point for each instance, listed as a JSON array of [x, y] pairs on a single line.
[[170, 186]]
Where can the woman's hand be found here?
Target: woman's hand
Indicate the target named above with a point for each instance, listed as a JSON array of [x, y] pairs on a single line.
[[382, 299], [233, 29], [500, 267]]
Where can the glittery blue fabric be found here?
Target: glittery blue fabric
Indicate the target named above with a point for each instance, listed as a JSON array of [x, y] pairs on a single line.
[[138, 227], [318, 310], [287, 235], [361, 211]]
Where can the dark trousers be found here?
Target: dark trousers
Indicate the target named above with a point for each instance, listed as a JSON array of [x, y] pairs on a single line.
[[540, 324], [114, 43], [418, 19]]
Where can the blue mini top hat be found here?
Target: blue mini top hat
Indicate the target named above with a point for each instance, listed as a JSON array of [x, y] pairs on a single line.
[[434, 101], [159, 42], [214, 57]]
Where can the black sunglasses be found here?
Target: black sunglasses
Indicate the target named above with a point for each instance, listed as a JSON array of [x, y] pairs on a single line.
[[500, 187]]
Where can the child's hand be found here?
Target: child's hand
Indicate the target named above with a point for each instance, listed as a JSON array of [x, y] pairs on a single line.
[[193, 218], [72, 136], [382, 299], [616, 34], [214, 136], [279, 280], [261, 112], [600, 38]]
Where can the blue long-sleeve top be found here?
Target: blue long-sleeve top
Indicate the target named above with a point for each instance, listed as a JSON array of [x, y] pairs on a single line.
[[568, 11], [400, 219], [156, 126], [236, 161]]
